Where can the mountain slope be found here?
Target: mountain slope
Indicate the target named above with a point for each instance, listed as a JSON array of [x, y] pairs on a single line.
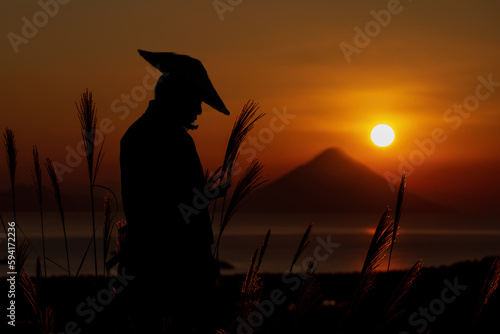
[[333, 182]]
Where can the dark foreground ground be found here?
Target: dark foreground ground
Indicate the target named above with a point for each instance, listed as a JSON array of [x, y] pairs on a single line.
[[443, 301]]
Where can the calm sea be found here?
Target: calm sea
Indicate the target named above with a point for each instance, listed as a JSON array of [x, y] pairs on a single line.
[[437, 239]]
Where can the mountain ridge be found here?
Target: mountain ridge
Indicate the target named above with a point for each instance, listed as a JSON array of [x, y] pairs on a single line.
[[333, 182]]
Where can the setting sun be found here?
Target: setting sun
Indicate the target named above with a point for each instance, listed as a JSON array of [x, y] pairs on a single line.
[[382, 135]]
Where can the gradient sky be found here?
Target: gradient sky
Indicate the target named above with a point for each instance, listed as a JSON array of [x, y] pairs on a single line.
[[285, 55]]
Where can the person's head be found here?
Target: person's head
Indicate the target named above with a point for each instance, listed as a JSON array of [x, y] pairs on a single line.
[[180, 99], [184, 85]]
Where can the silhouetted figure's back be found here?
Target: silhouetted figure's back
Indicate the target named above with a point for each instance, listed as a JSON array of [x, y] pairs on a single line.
[[169, 252]]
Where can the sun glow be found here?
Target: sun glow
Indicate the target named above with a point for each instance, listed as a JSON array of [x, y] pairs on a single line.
[[382, 135]]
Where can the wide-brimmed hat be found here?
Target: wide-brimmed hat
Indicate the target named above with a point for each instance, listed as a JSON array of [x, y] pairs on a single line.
[[191, 70]]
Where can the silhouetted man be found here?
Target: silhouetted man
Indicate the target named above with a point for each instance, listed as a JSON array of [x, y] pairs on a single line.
[[160, 170]]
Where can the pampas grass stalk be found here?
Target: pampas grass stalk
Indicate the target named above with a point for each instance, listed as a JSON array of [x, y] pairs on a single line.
[[57, 264], [56, 189], [304, 242], [36, 174], [11, 156], [91, 241], [252, 286], [393, 308], [44, 316], [249, 181], [87, 114], [309, 295], [380, 243], [242, 126], [107, 227], [22, 251], [397, 216], [263, 248], [490, 285]]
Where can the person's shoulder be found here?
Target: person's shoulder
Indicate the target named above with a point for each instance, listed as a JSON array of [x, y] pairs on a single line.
[[135, 131]]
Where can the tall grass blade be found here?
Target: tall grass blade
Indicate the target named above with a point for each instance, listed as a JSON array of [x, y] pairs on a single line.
[[57, 264], [263, 248], [11, 155], [98, 163], [107, 227], [249, 181], [490, 285], [87, 114], [242, 126], [393, 308], [376, 252], [22, 251], [44, 316], [304, 242], [309, 295], [29, 291], [38, 270], [252, 287], [213, 180], [56, 189], [397, 216], [36, 174], [26, 239], [91, 241], [108, 191]]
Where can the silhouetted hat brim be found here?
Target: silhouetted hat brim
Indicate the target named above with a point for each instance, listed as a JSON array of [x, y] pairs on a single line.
[[189, 68]]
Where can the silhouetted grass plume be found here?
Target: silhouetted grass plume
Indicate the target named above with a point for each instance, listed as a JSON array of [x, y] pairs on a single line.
[[249, 181], [397, 216], [309, 296], [22, 251], [394, 306], [44, 314], [11, 157], [107, 227], [304, 242], [56, 190], [380, 243], [36, 174], [87, 114], [252, 286], [490, 286], [242, 126]]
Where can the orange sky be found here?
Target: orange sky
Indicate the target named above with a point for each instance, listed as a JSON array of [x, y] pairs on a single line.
[[285, 55]]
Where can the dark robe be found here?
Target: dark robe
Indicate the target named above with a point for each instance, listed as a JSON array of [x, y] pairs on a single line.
[[170, 255]]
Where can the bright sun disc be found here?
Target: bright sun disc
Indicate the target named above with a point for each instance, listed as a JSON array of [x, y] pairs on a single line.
[[382, 135]]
